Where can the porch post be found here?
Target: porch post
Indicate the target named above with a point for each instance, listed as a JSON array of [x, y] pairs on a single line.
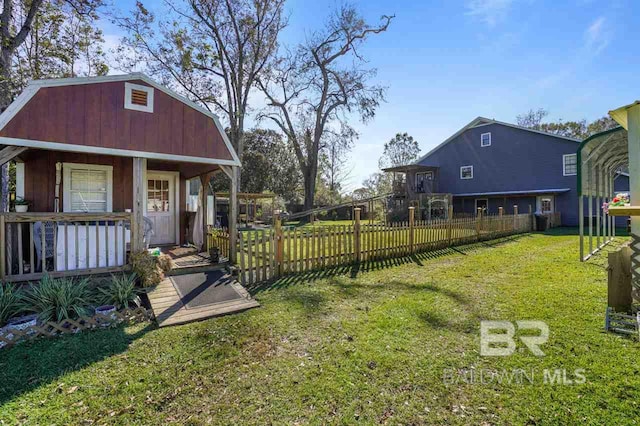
[[137, 219], [204, 181], [633, 120], [233, 214]]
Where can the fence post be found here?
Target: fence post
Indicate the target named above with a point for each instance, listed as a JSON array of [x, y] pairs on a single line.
[[449, 224], [356, 233], [515, 217], [412, 213], [478, 222], [279, 254], [532, 223], [500, 211]]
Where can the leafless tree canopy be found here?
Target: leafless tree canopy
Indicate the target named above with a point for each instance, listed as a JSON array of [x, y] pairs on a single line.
[[314, 88], [210, 50]]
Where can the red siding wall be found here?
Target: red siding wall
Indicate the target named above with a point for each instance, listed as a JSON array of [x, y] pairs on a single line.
[[40, 180], [40, 177], [94, 115]]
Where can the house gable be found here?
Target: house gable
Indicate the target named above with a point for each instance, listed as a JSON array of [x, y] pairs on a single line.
[[516, 160], [83, 115]]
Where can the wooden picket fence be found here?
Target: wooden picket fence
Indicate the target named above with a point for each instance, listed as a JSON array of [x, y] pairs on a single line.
[[219, 237], [269, 253], [9, 337]]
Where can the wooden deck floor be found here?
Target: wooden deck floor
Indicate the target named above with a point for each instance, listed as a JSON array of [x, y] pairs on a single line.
[[169, 309]]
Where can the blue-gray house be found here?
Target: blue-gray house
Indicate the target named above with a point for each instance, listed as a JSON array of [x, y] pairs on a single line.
[[490, 164]]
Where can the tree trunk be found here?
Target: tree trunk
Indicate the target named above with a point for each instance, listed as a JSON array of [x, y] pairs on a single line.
[[5, 101], [309, 174], [5, 80]]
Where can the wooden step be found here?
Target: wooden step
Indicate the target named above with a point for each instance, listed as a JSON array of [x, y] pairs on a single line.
[[183, 316], [182, 270]]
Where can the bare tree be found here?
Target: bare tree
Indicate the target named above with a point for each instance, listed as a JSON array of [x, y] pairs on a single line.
[[314, 88], [10, 41], [532, 119], [211, 50], [333, 157]]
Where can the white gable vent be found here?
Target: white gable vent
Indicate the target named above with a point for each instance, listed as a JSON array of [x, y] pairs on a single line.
[[137, 97]]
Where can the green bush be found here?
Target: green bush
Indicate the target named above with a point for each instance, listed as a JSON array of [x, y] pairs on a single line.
[[58, 299], [121, 291], [10, 305]]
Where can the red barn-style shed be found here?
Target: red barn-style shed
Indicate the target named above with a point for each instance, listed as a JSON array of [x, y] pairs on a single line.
[[104, 156]]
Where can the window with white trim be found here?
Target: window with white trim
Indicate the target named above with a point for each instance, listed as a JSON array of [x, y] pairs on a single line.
[[138, 97], [569, 164], [466, 172], [485, 139], [87, 188]]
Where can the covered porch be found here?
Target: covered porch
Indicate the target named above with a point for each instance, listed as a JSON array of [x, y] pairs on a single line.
[[88, 212]]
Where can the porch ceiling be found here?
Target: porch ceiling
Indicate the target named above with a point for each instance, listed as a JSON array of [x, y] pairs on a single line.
[[186, 169]]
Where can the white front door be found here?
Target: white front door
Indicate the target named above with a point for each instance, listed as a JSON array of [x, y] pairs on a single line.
[[161, 206]]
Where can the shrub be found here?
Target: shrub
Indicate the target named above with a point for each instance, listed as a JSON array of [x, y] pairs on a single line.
[[10, 305], [58, 299], [165, 262], [145, 266], [121, 291]]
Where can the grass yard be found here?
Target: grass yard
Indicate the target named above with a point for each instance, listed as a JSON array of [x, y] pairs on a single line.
[[345, 347]]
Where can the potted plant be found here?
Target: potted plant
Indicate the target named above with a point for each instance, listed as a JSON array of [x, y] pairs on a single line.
[[21, 205], [22, 322], [107, 311]]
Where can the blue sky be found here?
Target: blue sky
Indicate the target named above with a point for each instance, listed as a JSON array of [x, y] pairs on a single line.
[[447, 62]]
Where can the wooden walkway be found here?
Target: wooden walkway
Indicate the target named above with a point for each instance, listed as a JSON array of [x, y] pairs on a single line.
[[169, 309]]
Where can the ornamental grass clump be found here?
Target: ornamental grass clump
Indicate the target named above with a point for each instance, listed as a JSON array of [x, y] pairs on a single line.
[[58, 299], [10, 297], [121, 292]]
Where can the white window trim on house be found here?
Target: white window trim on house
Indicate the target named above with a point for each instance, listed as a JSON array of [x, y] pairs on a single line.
[[66, 183], [564, 164], [463, 167], [128, 87], [482, 144]]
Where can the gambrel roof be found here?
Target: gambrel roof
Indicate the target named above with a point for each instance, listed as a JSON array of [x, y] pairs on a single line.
[[96, 115]]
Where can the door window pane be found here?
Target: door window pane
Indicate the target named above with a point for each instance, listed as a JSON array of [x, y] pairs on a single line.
[[158, 196]]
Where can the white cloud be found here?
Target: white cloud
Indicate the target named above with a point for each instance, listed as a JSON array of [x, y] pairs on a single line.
[[489, 11], [597, 36]]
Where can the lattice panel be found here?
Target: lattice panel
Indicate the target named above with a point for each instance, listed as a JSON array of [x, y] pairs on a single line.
[[51, 329]]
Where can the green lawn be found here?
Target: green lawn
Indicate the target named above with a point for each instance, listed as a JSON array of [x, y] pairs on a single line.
[[369, 346]]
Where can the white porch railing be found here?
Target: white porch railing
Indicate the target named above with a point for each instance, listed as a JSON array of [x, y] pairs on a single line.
[[32, 244]]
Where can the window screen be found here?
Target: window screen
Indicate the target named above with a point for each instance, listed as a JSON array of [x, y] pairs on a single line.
[[88, 190], [570, 166]]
